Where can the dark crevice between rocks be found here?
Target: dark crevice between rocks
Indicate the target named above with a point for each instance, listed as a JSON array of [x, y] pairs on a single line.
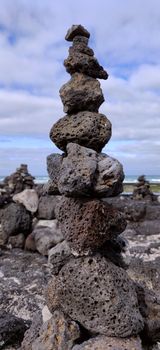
[[84, 334]]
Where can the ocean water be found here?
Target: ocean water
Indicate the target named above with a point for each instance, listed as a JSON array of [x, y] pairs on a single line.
[[40, 179]]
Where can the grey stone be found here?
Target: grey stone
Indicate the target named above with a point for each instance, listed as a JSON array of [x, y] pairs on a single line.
[[54, 162], [15, 219], [12, 329], [46, 207], [33, 332], [88, 129], [17, 241], [77, 174], [134, 210], [28, 198], [149, 304], [109, 176], [76, 29], [58, 333], [86, 64], [98, 295], [85, 172], [152, 212], [46, 238], [80, 45], [81, 93], [58, 256], [88, 223], [148, 227], [23, 278], [109, 343]]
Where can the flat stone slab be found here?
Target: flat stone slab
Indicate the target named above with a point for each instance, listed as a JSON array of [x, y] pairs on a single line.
[[76, 29]]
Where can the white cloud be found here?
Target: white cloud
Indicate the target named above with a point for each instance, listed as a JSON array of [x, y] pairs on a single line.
[[126, 40]]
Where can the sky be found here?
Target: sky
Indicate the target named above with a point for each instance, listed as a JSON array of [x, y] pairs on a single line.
[[125, 36]]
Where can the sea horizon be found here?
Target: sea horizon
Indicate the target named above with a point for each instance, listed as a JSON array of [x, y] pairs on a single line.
[[39, 179]]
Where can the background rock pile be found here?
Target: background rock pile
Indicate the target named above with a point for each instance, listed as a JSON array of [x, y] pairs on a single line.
[[142, 189]]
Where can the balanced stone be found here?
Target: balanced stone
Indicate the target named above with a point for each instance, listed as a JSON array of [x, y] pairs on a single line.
[[92, 130], [86, 64], [54, 162], [80, 45], [85, 172], [87, 224], [77, 173], [110, 176], [81, 93], [99, 295], [76, 30]]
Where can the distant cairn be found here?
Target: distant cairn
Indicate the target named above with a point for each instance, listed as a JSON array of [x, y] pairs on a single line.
[[142, 189]]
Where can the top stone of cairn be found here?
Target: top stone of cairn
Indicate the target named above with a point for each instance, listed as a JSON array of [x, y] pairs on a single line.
[[76, 30]]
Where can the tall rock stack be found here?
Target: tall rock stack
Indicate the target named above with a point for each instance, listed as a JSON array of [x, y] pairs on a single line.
[[91, 288]]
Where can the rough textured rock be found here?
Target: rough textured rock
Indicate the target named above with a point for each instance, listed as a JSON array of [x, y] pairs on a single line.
[[81, 93], [76, 30], [80, 45], [15, 219], [97, 294], [134, 210], [33, 332], [87, 224], [46, 238], [148, 227], [17, 241], [149, 304], [86, 64], [46, 207], [23, 278], [28, 198], [88, 129], [109, 343], [109, 176], [77, 174], [58, 333], [85, 172], [152, 212], [54, 162], [58, 256], [12, 329]]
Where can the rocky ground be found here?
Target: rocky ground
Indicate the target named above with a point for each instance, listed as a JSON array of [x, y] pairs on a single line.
[[24, 275]]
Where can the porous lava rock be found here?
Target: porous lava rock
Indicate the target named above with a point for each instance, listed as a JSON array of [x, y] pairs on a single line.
[[85, 172], [110, 176], [99, 295], [46, 207], [58, 256], [109, 343], [81, 93], [88, 129], [57, 333], [76, 30], [86, 64], [87, 224], [78, 170], [15, 219]]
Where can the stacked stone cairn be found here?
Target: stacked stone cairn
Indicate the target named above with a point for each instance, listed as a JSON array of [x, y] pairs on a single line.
[[92, 300], [142, 189]]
